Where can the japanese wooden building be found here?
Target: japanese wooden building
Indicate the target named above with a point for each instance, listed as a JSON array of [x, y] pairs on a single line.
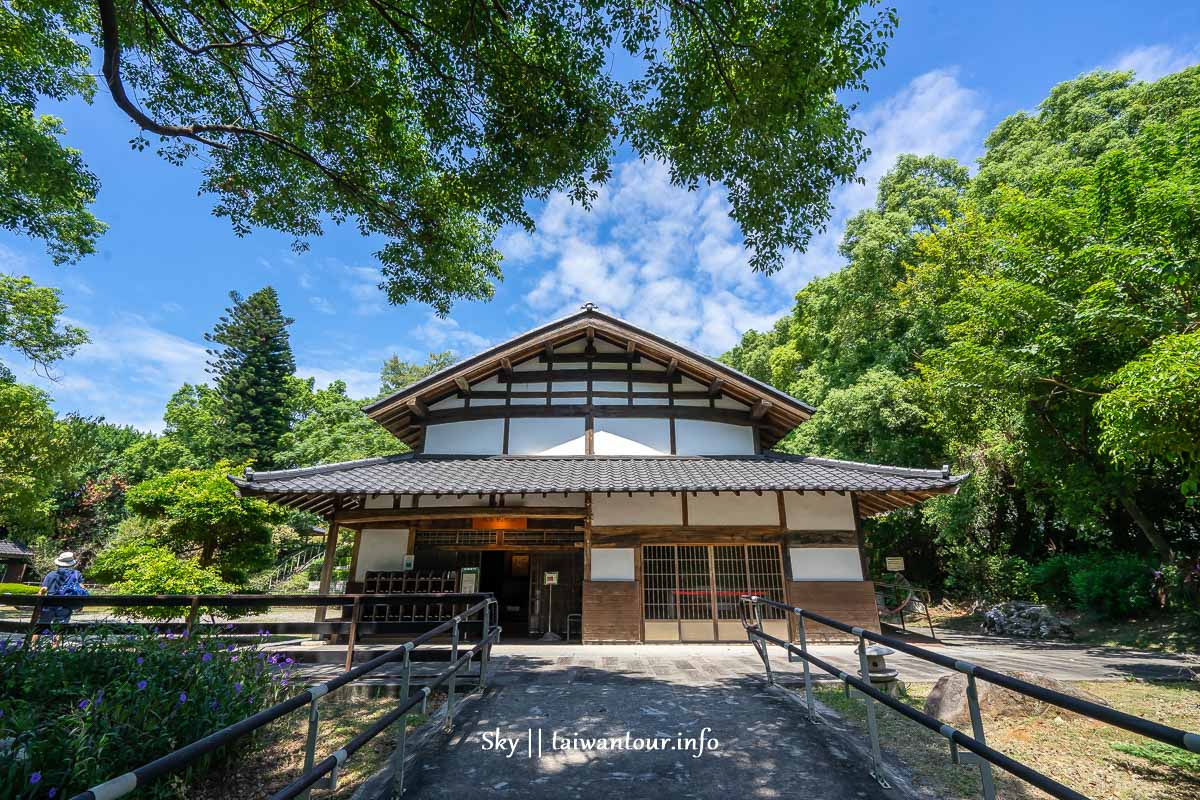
[[638, 473]]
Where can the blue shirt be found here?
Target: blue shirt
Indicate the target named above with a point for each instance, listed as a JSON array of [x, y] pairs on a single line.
[[54, 581]]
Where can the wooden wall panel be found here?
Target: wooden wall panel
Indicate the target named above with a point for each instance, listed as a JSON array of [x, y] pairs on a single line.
[[851, 602], [612, 611]]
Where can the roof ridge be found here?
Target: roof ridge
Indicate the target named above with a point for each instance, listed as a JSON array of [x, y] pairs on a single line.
[[320, 469], [887, 469]]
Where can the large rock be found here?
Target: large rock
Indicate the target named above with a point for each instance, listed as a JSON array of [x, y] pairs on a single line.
[[948, 699], [1026, 620]]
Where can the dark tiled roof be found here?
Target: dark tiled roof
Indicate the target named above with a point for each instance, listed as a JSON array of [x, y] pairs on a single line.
[[421, 474], [11, 549]]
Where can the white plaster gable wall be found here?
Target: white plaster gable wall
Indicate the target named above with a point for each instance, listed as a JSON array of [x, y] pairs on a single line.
[[562, 436], [472, 437], [640, 508], [727, 508], [380, 549], [696, 437], [629, 436], [825, 564], [813, 512]]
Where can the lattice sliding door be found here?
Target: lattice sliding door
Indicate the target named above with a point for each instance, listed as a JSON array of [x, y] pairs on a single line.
[[691, 592]]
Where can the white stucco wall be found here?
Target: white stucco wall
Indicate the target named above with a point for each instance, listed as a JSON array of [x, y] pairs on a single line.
[[577, 500], [556, 436], [625, 436], [612, 564], [825, 564], [813, 512], [727, 508], [381, 549], [636, 509], [697, 437], [473, 437]]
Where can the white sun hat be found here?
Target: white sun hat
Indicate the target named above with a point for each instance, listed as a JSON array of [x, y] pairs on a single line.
[[65, 559]]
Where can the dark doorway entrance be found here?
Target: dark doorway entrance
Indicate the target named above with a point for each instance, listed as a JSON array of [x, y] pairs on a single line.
[[506, 575]]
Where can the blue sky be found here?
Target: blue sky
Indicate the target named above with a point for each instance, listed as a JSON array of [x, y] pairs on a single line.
[[656, 255]]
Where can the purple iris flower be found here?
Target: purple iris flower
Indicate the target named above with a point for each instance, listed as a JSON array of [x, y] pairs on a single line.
[[237, 688], [206, 657], [35, 777], [141, 685], [139, 661], [83, 704], [182, 697]]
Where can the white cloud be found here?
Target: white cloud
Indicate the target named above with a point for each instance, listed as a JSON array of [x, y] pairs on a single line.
[[126, 373], [362, 284], [1151, 62], [360, 383], [673, 261], [322, 305], [444, 333]]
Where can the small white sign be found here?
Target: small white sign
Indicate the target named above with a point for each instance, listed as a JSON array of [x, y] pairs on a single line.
[[551, 578], [895, 563]]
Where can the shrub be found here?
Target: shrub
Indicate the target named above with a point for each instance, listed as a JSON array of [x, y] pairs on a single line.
[[76, 715], [992, 578], [1112, 584], [17, 588], [1051, 579]]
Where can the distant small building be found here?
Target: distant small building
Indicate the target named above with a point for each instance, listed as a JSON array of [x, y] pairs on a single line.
[[592, 473], [15, 559]]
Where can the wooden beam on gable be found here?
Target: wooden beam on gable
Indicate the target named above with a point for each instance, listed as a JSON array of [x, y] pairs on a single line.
[[463, 385], [714, 386], [631, 347], [760, 409], [418, 408], [672, 367], [506, 370]]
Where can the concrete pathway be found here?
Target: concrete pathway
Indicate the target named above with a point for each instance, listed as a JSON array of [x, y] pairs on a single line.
[[628, 726]]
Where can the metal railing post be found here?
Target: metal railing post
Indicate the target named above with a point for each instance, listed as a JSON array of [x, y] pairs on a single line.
[[402, 734], [872, 723], [453, 679], [485, 640], [310, 743], [808, 689], [985, 769], [763, 651]]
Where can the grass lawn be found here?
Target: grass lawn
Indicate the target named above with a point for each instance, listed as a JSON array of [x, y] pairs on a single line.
[[1096, 759], [278, 755]]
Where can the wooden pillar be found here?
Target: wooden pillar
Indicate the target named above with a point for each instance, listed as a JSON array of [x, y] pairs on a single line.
[[331, 537]]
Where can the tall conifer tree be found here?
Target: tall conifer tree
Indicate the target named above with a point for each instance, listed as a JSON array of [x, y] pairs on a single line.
[[252, 376]]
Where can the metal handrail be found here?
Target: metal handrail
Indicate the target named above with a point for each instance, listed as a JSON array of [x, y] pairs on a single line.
[[976, 744], [182, 757]]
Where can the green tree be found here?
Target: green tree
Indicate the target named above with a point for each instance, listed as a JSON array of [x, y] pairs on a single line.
[[194, 419], [252, 374], [35, 456], [430, 124], [1058, 295], [200, 515], [45, 187], [29, 322], [397, 374], [335, 429]]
